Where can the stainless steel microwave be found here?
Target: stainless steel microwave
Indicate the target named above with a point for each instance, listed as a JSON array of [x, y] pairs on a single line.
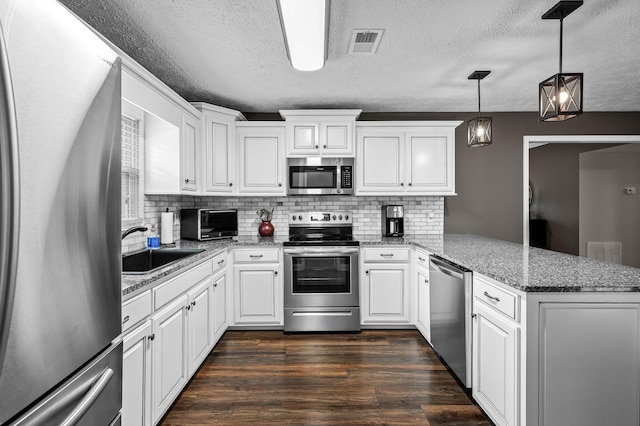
[[208, 224], [320, 176]]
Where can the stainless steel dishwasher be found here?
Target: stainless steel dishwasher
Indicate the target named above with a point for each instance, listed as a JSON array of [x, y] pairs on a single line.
[[450, 303]]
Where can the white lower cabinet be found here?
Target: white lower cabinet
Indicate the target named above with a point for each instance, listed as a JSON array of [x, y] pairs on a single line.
[[219, 304], [170, 358], [136, 376], [257, 287], [258, 295], [423, 317], [199, 312], [495, 363]]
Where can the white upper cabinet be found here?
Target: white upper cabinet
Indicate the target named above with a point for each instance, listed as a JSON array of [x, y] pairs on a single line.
[[219, 148], [406, 157], [262, 161], [329, 133], [171, 133], [189, 141]]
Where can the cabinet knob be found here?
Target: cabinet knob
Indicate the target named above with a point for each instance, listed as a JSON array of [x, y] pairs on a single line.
[[193, 303], [324, 146], [401, 183], [275, 272], [230, 183], [188, 307], [279, 184], [316, 146], [410, 184], [215, 284], [474, 316], [186, 181], [366, 272], [152, 336]]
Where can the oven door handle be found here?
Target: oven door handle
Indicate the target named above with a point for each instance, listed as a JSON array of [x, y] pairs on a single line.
[[324, 251]]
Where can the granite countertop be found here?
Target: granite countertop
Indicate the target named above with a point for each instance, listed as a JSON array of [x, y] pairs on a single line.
[[133, 284], [524, 268]]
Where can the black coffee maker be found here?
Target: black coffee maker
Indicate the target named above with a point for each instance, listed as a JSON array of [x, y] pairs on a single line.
[[392, 221]]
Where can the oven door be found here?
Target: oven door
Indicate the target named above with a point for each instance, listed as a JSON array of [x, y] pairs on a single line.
[[321, 277]]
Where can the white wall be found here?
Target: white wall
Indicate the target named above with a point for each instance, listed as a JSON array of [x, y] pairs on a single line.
[[606, 212]]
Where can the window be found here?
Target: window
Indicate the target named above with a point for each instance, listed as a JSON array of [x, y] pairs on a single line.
[[132, 129]]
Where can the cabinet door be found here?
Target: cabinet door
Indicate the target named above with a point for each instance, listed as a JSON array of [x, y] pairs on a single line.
[[261, 160], [380, 161], [169, 370], [302, 139], [220, 156], [385, 294], [494, 358], [258, 295], [423, 322], [136, 376], [219, 306], [336, 138], [427, 158], [199, 315], [189, 147]]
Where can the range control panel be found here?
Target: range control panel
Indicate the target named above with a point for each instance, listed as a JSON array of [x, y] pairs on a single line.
[[321, 218]]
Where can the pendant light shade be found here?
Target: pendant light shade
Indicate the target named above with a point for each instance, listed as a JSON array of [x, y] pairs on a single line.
[[560, 96], [479, 129]]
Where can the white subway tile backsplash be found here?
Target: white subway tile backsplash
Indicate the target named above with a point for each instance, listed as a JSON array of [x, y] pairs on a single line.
[[366, 212]]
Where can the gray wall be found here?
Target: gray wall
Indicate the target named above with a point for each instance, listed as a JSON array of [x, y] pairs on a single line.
[[606, 212], [554, 176]]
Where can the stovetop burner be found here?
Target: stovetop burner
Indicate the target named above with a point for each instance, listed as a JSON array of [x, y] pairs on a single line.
[[321, 229]]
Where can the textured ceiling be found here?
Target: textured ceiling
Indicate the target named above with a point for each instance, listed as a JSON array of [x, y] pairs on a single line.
[[231, 52]]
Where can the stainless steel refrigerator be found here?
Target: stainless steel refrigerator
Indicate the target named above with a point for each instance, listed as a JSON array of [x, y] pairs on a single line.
[[60, 291]]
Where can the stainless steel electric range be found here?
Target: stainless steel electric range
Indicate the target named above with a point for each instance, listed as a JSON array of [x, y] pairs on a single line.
[[321, 291]]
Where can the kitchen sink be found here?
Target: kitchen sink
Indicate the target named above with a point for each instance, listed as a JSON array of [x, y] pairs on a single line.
[[146, 261]]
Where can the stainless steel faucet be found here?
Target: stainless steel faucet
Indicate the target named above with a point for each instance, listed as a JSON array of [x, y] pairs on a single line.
[[134, 229]]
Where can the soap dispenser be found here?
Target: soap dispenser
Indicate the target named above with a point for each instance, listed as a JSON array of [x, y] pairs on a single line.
[[153, 239]]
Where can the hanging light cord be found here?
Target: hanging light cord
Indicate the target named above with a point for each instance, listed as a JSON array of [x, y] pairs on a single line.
[[560, 67], [478, 96]]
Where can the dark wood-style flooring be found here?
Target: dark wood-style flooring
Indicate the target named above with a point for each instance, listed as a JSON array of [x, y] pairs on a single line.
[[371, 378]]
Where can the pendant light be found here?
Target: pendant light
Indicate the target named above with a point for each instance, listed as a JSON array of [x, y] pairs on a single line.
[[561, 94], [479, 128]]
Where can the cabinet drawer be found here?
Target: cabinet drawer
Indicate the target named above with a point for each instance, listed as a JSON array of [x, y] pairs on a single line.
[[173, 288], [422, 258], [219, 261], [392, 254], [495, 297], [136, 309], [256, 255]]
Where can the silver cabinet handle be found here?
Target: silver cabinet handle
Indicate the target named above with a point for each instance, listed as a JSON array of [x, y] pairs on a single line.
[[221, 262], [126, 319], [188, 307], [497, 299], [152, 336], [87, 401], [256, 256], [386, 254], [193, 303], [421, 259]]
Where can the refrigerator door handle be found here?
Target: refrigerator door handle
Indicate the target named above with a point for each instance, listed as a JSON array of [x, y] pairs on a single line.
[[9, 198], [90, 397]]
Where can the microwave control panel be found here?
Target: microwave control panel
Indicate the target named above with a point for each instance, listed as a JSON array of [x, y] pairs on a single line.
[[346, 177]]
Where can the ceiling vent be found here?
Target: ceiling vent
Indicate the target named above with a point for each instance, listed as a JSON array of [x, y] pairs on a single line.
[[365, 41]]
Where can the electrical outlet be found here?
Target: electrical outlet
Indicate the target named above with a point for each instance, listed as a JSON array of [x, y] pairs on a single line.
[[630, 190]]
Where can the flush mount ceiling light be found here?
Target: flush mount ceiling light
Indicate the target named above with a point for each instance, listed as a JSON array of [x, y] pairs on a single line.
[[479, 128], [560, 95], [305, 26]]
